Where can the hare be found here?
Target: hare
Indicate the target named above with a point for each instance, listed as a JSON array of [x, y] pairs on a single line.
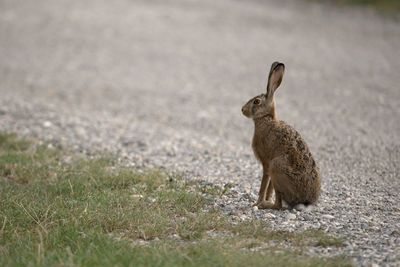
[[289, 168]]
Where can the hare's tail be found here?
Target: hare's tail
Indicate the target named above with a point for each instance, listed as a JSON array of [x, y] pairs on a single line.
[[302, 207]]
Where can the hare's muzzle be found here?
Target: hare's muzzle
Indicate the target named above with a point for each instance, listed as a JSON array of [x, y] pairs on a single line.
[[245, 111]]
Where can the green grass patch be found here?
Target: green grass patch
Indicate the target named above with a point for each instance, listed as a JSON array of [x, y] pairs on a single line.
[[61, 208]]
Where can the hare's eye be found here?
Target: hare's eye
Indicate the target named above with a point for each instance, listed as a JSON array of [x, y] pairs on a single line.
[[257, 101]]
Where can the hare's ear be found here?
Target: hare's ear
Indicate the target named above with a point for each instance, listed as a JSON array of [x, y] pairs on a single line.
[[275, 78]]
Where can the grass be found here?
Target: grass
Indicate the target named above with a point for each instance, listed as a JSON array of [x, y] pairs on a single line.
[[60, 208], [385, 6]]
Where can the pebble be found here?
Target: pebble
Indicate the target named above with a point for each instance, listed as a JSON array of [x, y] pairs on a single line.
[[328, 216], [47, 124], [291, 216], [269, 215]]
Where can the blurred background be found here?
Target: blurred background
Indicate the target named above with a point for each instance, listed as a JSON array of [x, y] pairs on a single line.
[[163, 82]]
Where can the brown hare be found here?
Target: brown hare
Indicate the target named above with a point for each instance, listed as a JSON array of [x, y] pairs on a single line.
[[288, 166]]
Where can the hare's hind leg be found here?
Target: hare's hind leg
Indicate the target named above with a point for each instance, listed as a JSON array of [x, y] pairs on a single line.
[[282, 182]]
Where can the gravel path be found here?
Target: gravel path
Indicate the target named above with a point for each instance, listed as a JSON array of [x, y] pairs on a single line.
[[163, 82]]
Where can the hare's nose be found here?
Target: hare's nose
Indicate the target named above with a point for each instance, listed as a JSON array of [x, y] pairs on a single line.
[[242, 109]]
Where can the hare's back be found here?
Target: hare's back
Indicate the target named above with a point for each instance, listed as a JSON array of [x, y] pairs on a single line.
[[295, 148]]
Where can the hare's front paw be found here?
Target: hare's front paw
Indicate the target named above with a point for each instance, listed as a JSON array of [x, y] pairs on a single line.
[[259, 201]]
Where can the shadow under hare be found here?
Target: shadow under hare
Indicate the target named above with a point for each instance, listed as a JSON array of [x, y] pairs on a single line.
[[289, 168]]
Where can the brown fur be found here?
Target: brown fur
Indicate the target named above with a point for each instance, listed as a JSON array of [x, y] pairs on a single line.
[[288, 166]]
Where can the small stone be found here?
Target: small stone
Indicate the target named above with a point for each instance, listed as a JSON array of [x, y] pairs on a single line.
[[269, 216], [395, 233], [255, 208], [327, 216], [175, 236], [291, 216], [244, 217], [47, 124], [299, 207]]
